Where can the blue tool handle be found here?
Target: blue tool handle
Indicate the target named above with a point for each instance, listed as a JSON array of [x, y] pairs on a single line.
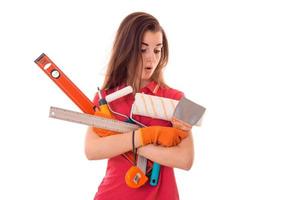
[[155, 174], [155, 168]]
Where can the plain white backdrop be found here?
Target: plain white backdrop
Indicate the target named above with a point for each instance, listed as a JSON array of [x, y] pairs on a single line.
[[239, 59]]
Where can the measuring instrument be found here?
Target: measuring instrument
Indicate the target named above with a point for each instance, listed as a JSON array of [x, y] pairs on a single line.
[[65, 84], [91, 120]]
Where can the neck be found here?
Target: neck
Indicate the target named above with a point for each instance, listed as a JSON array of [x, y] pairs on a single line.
[[144, 83]]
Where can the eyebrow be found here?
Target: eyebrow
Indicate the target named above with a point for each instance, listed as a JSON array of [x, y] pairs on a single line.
[[144, 43]]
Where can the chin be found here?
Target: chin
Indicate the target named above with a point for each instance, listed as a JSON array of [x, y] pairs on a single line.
[[147, 77]]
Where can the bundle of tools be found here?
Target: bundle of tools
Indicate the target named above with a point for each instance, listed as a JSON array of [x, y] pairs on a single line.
[[184, 111]]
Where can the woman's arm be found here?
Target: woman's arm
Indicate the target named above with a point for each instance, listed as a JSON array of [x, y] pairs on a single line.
[[97, 148], [106, 147], [180, 156]]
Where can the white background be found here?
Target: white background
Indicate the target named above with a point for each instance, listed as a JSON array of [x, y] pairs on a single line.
[[237, 58]]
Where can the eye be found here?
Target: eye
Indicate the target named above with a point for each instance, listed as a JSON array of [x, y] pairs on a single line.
[[156, 51], [143, 50]]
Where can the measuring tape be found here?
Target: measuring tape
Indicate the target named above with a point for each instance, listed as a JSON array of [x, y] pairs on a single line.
[[91, 120]]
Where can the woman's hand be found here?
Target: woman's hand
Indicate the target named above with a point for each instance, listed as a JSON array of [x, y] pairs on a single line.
[[103, 132], [181, 125], [160, 135]]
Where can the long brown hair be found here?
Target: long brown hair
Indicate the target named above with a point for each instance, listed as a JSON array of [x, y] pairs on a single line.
[[126, 52]]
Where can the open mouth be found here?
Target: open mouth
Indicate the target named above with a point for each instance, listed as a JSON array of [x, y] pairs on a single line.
[[148, 68]]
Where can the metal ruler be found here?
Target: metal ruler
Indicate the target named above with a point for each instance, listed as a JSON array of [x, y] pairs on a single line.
[[91, 120], [98, 122]]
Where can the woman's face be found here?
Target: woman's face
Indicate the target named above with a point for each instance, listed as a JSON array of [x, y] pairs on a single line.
[[152, 44]]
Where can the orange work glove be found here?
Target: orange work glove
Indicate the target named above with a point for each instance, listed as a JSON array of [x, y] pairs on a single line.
[[165, 136], [103, 132]]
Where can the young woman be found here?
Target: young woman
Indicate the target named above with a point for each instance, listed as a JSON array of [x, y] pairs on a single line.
[[139, 54]]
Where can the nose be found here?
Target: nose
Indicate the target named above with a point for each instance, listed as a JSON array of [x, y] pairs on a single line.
[[149, 57]]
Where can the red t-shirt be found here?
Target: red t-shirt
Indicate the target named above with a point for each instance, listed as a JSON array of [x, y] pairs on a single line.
[[113, 185]]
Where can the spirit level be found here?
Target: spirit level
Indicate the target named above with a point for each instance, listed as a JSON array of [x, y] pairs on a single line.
[[65, 84]]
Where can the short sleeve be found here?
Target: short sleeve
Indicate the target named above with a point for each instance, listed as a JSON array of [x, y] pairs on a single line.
[[172, 93], [178, 95]]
